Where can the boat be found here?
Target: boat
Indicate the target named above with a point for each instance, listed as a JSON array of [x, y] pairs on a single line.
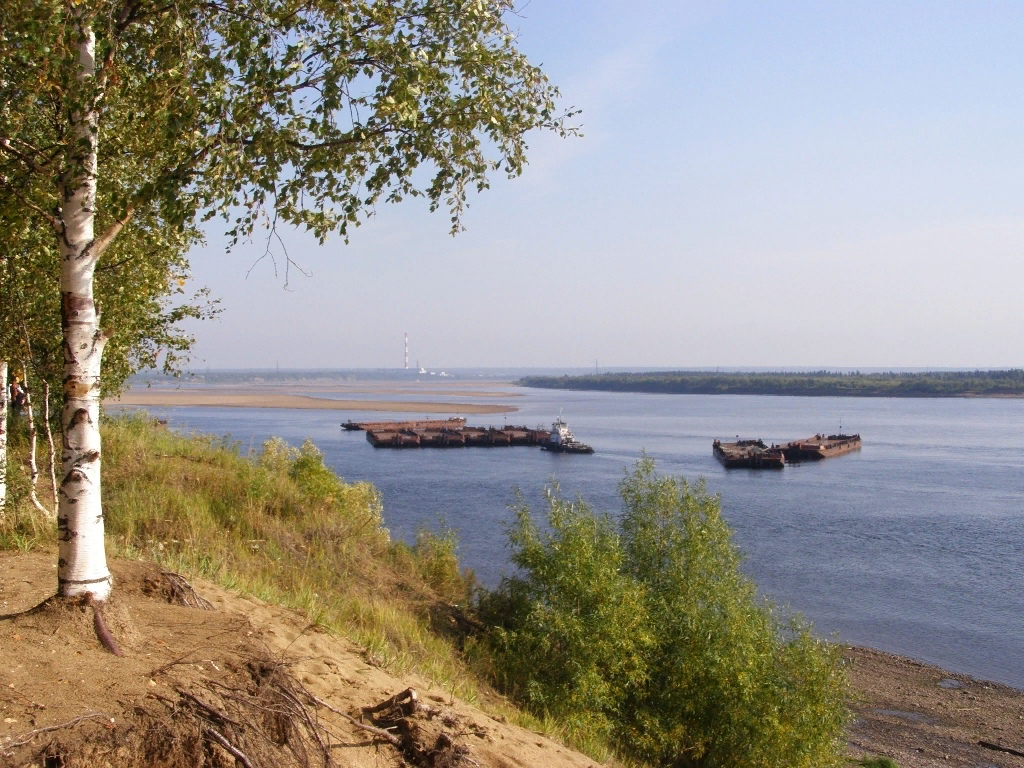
[[444, 433], [821, 446], [755, 454], [562, 440], [748, 454]]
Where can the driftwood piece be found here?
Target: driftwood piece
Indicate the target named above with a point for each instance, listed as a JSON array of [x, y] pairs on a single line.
[[399, 699]]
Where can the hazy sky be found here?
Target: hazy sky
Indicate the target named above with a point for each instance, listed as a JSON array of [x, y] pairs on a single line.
[[791, 184]]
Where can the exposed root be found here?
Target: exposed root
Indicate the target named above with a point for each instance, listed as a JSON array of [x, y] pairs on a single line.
[[26, 738], [234, 751], [183, 593], [378, 732], [101, 627], [421, 746]]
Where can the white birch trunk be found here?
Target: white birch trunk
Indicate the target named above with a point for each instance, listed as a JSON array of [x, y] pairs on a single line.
[[33, 468], [3, 438], [49, 443], [82, 564]]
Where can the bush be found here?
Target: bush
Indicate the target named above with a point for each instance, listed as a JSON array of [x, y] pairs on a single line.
[[647, 631]]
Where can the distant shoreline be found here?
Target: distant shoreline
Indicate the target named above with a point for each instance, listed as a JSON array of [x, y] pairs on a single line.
[[943, 384], [250, 399]]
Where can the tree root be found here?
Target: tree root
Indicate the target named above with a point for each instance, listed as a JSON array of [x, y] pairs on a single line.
[[98, 624], [378, 732], [183, 593], [26, 738], [214, 735]]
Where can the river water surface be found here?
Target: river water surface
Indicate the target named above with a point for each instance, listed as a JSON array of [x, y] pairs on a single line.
[[914, 545]]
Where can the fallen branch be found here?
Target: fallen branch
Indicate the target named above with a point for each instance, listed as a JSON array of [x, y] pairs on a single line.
[[27, 737], [235, 752], [303, 712], [998, 748], [379, 732]]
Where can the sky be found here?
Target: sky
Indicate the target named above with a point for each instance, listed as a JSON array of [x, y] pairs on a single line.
[[784, 184]]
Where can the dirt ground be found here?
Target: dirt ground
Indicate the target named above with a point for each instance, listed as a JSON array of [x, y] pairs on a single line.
[[193, 675], [210, 681]]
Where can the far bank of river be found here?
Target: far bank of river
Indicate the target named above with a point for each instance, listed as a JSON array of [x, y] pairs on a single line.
[[990, 383]]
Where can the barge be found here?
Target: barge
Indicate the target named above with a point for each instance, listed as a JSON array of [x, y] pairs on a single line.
[[453, 433], [755, 454], [820, 447], [748, 454], [444, 433], [456, 422]]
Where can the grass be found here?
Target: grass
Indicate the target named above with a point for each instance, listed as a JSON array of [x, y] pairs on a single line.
[[277, 525]]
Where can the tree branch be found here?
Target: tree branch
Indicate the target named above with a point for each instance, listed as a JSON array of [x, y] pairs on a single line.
[[52, 220], [103, 242]]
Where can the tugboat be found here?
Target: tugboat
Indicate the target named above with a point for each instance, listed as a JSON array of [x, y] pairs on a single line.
[[562, 440]]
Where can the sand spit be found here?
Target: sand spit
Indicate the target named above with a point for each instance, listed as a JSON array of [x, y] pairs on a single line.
[[250, 399]]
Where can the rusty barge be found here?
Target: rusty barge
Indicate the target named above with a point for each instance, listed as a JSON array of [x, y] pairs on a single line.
[[755, 454], [748, 454], [821, 446], [445, 433]]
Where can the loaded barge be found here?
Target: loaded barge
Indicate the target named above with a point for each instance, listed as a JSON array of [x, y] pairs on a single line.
[[444, 433], [820, 447], [748, 454], [754, 454], [453, 433]]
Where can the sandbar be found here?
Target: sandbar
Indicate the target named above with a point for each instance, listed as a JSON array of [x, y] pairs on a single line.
[[193, 399]]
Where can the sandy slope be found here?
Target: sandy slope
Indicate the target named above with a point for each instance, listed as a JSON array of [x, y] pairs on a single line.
[[53, 671]]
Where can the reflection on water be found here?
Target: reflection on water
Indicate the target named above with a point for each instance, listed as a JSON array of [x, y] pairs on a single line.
[[914, 545]]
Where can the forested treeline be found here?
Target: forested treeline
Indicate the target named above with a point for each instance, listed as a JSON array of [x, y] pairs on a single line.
[[807, 384]]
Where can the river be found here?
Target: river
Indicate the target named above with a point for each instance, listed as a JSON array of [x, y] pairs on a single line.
[[913, 545]]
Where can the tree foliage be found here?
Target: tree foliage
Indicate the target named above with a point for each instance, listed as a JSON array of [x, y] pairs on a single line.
[[140, 290], [647, 631], [303, 111]]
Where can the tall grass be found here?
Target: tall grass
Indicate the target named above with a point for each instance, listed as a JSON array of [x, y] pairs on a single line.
[[278, 525]]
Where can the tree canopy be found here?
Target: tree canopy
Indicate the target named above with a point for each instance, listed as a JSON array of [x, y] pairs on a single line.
[[124, 124], [305, 112]]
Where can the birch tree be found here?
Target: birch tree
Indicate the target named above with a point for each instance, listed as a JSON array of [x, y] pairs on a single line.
[[3, 437], [152, 116]]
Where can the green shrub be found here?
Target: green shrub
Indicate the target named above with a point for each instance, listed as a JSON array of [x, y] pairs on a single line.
[[648, 632], [572, 633], [437, 563]]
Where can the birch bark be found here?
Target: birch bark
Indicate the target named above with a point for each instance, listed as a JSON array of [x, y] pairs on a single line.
[[81, 564], [3, 438]]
